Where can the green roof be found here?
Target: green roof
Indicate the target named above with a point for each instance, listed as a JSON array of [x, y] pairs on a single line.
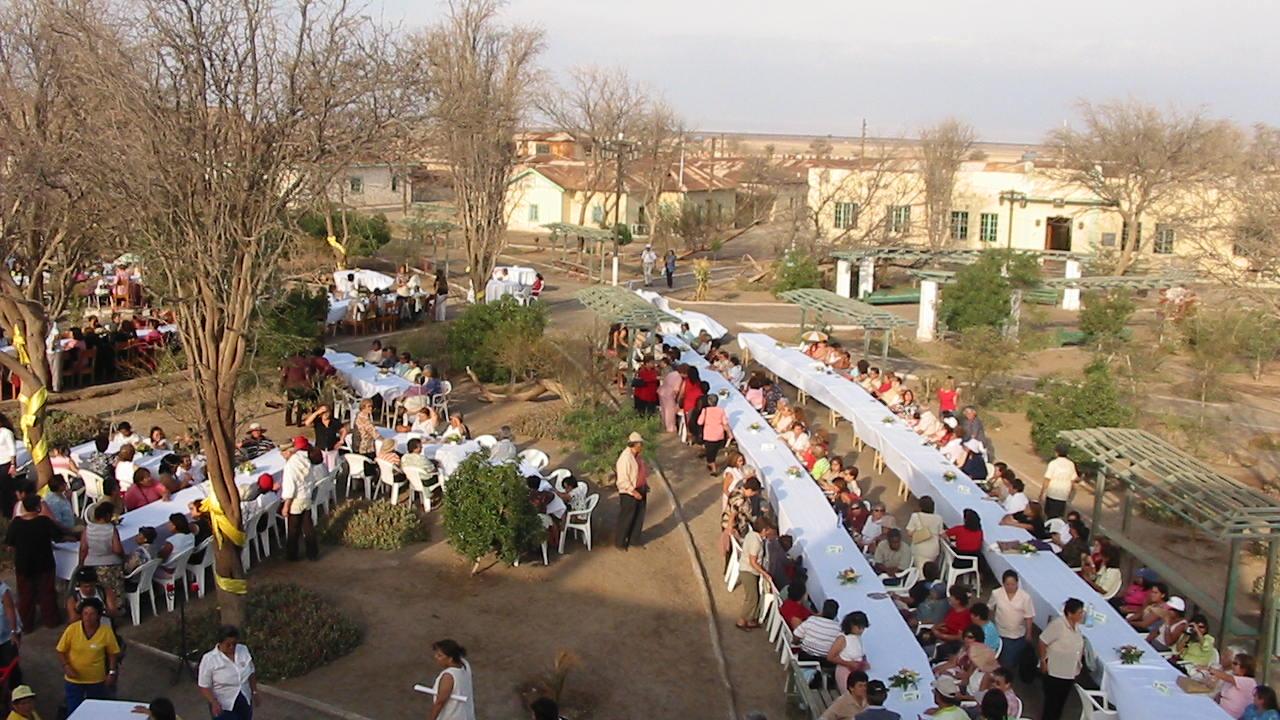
[[860, 313], [619, 305]]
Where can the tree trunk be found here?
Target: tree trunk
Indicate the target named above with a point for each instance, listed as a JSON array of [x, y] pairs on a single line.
[[216, 401], [34, 375]]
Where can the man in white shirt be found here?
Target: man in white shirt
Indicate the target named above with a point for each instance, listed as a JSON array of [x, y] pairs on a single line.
[[227, 677], [295, 490], [1015, 615], [648, 260], [873, 530], [1059, 477], [505, 449], [125, 436]]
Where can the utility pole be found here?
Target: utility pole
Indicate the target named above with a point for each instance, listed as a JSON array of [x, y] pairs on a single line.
[[862, 150], [621, 149]]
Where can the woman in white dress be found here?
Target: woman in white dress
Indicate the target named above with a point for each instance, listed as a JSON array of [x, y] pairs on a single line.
[[454, 681], [923, 529]]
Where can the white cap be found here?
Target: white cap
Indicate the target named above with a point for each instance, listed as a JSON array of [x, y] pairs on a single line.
[[255, 426], [1177, 603], [950, 422]]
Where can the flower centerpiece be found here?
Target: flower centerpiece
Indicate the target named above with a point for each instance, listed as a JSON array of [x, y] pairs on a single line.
[[1130, 655], [143, 448], [848, 576], [949, 476], [246, 468], [754, 427], [453, 439], [887, 420], [794, 471], [723, 392], [359, 362], [905, 679]]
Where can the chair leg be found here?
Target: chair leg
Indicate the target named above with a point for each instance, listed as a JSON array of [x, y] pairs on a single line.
[[586, 535]]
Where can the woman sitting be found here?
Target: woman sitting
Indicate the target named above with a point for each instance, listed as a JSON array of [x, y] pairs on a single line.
[[426, 422], [796, 438], [387, 452], [179, 541], [457, 430], [158, 439], [785, 417], [966, 539], [907, 407], [144, 490]]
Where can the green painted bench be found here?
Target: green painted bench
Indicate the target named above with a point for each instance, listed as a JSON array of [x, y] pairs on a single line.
[[904, 296], [1078, 337]]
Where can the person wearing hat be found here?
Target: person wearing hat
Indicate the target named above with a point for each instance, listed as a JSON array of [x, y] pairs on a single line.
[[1061, 655], [633, 491], [877, 694], [648, 261], [946, 698], [295, 490], [255, 443], [1173, 628], [23, 702]]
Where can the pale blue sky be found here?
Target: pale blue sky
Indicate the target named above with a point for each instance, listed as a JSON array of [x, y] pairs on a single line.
[[820, 66]]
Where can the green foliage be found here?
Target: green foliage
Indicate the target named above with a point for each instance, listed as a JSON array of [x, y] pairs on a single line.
[[1259, 339], [1211, 340], [374, 526], [600, 433], [544, 422], [1093, 402], [295, 321], [794, 270], [981, 294], [1105, 317], [71, 429], [622, 233], [981, 354], [487, 510], [483, 334], [367, 233], [290, 631]]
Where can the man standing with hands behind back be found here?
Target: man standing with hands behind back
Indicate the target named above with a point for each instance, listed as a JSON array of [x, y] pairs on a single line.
[[633, 489]]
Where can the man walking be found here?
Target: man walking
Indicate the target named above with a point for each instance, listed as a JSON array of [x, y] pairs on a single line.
[[295, 490], [648, 260], [633, 489]]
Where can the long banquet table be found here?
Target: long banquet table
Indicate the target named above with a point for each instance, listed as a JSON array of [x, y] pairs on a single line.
[[1148, 689], [366, 379], [827, 549]]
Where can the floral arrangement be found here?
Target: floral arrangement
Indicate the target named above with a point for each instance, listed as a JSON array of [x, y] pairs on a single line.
[[383, 372], [905, 679], [949, 476], [723, 392], [887, 420], [848, 576], [246, 468], [1130, 654], [453, 439], [793, 471], [359, 362], [143, 448], [754, 427]]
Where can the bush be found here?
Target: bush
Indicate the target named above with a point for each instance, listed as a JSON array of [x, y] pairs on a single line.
[[290, 631], [294, 322], [981, 354], [794, 270], [487, 510], [478, 336], [981, 294], [1093, 402], [374, 526], [623, 233], [1105, 316], [367, 232], [600, 432], [71, 429], [543, 422]]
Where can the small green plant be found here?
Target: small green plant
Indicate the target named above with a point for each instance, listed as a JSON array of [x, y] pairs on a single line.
[[487, 510], [982, 292], [374, 526], [600, 432], [290, 631], [71, 429], [476, 336], [794, 270], [1092, 402], [1105, 317], [982, 354]]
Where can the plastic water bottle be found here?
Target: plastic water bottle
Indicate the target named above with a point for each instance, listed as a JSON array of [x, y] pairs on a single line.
[[1088, 615]]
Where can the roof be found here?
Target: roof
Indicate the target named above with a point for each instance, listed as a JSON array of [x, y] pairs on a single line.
[[576, 176], [1162, 473], [619, 305], [751, 171], [546, 136], [860, 313]]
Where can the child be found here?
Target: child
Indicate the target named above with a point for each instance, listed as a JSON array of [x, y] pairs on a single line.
[[143, 553]]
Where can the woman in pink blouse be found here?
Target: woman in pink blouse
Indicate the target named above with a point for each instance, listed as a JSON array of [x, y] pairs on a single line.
[[667, 391], [715, 430]]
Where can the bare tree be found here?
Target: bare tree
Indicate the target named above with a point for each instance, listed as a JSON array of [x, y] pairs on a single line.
[[851, 203], [235, 115], [480, 72], [52, 208], [596, 104], [821, 148], [660, 147], [942, 148], [1138, 158]]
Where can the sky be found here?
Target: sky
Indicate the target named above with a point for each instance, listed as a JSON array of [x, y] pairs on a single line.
[[1012, 70]]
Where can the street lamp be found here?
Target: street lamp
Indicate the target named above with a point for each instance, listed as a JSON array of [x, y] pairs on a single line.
[[1013, 197]]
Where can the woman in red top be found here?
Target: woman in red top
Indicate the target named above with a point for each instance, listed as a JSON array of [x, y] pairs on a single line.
[[715, 430], [948, 396], [644, 388], [967, 538], [689, 395], [950, 631]]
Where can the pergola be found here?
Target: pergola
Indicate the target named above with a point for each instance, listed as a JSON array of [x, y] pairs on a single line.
[[618, 305], [1118, 282], [564, 235], [825, 302], [1220, 507], [961, 256]]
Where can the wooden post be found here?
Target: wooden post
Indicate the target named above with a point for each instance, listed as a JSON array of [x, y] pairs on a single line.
[[1126, 509], [1267, 641], [1099, 488], [1229, 596], [884, 349]]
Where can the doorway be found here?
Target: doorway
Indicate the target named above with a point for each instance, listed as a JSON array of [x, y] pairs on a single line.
[[1057, 233]]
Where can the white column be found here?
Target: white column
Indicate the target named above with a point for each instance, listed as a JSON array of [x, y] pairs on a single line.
[[928, 319], [615, 269], [866, 277], [1071, 296], [844, 278]]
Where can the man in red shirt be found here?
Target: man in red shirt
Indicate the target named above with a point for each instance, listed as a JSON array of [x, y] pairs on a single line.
[[794, 610], [295, 380]]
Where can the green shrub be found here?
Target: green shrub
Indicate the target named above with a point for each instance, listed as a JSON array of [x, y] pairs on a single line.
[[1093, 402], [623, 233], [374, 526], [1105, 316], [478, 337], [544, 422], [290, 631], [487, 510], [293, 322], [600, 432], [982, 291], [367, 232], [794, 270], [71, 429]]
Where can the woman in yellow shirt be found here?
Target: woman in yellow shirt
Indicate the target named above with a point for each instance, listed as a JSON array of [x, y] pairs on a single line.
[[88, 651]]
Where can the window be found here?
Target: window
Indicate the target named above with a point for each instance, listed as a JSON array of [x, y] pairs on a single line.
[[542, 148], [988, 227], [533, 213], [846, 215], [959, 225], [395, 183], [597, 214], [899, 218], [1164, 240], [1108, 239], [1124, 237], [356, 184]]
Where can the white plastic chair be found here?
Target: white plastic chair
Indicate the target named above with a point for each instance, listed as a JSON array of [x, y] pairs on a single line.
[[92, 484], [263, 537], [909, 578], [440, 401], [556, 478], [951, 574], [358, 469], [486, 441], [179, 579], [250, 522], [735, 563], [1093, 705], [324, 496], [580, 520], [387, 476], [420, 484], [144, 575], [200, 570], [534, 457], [87, 513]]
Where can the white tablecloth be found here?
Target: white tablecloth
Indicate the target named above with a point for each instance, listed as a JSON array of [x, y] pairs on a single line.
[[366, 379], [370, 279], [447, 455], [496, 289], [1049, 581], [337, 311], [804, 513], [518, 273], [107, 710], [697, 321]]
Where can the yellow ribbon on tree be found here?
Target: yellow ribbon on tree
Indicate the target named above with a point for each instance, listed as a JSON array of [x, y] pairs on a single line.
[[342, 251], [224, 529], [30, 404]]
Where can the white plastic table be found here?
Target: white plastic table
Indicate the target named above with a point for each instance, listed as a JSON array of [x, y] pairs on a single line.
[[367, 380], [107, 710]]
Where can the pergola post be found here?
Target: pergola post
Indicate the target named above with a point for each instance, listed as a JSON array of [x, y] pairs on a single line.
[[844, 278], [1099, 488], [1267, 641], [1126, 509], [1229, 596], [1071, 295], [866, 341], [884, 348], [615, 269], [866, 276], [926, 325], [803, 319]]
